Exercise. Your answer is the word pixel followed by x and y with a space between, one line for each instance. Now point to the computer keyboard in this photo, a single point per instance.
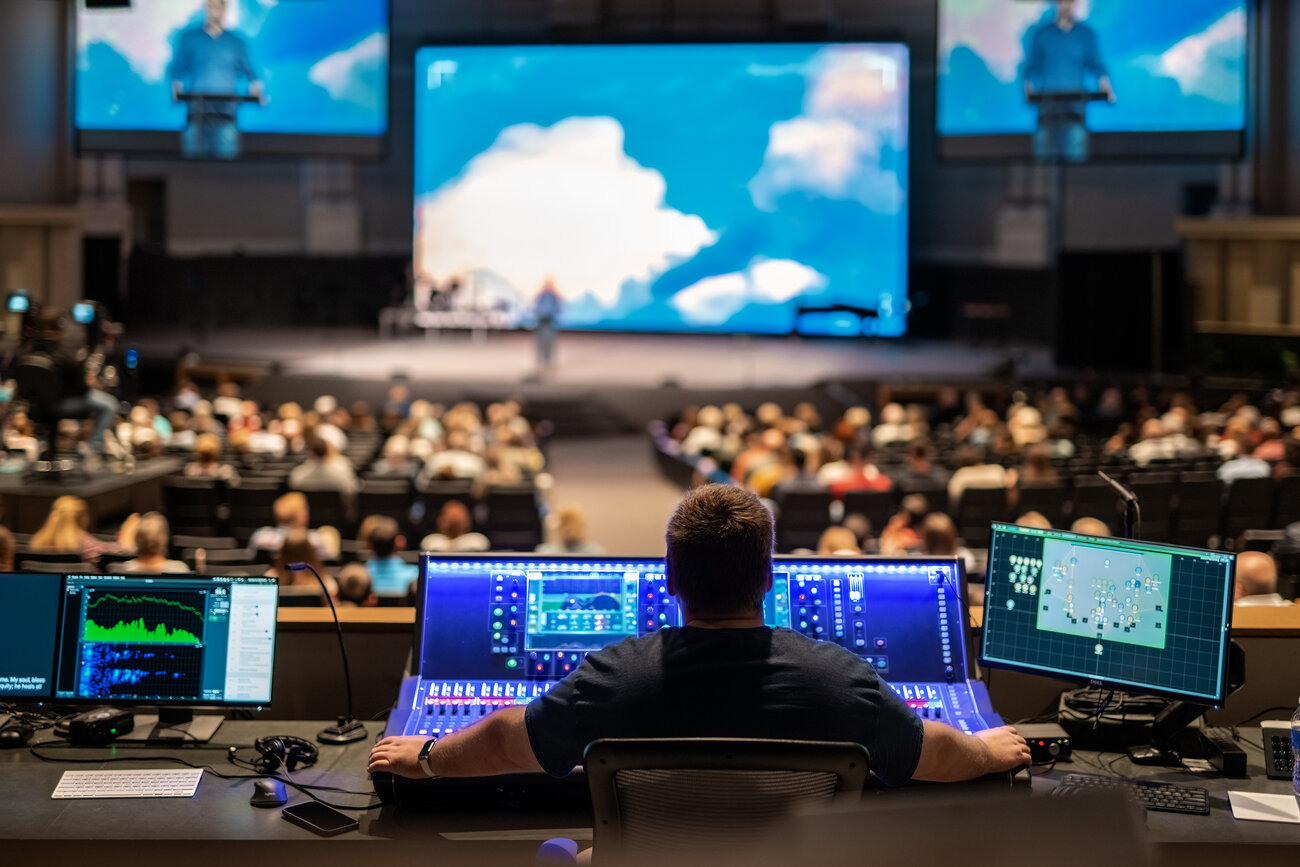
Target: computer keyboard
pixel 169 783
pixel 1152 794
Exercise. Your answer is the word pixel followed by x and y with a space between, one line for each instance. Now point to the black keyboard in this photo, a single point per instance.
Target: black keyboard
pixel 1152 794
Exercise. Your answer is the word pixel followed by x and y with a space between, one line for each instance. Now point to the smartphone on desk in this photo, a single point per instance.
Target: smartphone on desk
pixel 318 818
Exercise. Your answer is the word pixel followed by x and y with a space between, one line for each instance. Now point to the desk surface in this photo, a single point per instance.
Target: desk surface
pixel 221 819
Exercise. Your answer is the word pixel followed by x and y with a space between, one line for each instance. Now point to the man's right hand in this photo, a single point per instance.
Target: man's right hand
pixel 1005 747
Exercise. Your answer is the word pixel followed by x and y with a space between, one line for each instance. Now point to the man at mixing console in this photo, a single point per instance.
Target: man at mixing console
pixel 723 674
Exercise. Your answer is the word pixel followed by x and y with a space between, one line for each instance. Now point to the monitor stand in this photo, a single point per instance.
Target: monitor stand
pixel 173 726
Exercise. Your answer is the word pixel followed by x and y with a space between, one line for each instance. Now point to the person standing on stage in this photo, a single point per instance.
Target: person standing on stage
pixel 210 65
pixel 547 311
pixel 1064 57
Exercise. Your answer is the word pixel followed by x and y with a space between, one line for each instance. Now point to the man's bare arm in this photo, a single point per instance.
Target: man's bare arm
pixel 948 755
pixel 496 745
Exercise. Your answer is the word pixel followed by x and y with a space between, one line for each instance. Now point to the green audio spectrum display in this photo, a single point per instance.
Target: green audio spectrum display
pixel 171 618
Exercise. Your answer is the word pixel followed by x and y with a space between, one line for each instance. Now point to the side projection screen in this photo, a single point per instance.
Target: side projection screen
pixel 1160 78
pixel 220 79
pixel 757 188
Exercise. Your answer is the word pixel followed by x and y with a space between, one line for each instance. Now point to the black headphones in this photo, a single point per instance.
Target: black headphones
pixel 283 752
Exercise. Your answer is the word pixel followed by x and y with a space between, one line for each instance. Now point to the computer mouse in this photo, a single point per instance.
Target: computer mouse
pixel 15 735
pixel 268 793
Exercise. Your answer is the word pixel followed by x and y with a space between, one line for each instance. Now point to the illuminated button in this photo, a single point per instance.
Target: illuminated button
pixel 497 612
pixel 496 625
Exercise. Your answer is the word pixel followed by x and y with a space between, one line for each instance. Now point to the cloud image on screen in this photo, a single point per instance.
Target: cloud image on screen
pixel 723 188
pixel 1175 65
pixel 323 64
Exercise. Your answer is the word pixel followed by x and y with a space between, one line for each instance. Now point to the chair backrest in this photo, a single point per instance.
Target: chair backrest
pixel 652 795
pixel 38 382
pixel 42 566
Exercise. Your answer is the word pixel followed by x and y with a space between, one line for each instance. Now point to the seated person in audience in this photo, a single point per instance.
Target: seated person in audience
pixel 761 448
pixel 893 427
pixel 388 572
pixel 6 549
pixel 919 469
pixel 67 528
pixel 838 541
pixel 568 527
pixel 863 475
pixel 454 531
pixel 291 513
pixel 974 471
pixel 328 427
pixel 1256 581
pixel 939 539
pixel 901 534
pixel 298 548
pixel 456 461
pixel 789 473
pixel 152 536
pixel 1244 465
pixel 207 461
pixel 738 677
pixel 1089 526
pixel 1034 519
pixel 324 470
pixel 356 590
pixel 396 459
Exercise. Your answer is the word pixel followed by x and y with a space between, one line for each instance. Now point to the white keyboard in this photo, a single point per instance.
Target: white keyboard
pixel 129 784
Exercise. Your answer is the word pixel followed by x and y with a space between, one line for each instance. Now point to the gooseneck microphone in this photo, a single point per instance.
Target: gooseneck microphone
pixel 349 728
pixel 1132 511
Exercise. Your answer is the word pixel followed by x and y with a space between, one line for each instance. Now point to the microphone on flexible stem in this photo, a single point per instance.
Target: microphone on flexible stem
pixel 1132 512
pixel 349 728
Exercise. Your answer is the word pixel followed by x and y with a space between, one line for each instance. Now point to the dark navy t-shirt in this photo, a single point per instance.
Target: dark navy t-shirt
pixel 739 683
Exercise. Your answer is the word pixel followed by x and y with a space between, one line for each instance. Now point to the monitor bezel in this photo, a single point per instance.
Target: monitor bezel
pixel 1107 148
pixel 164 145
pixel 262 580
pixel 1114 683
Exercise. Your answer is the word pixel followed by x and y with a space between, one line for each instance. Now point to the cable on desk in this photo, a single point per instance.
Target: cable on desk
pixel 306 788
pixel 1251 719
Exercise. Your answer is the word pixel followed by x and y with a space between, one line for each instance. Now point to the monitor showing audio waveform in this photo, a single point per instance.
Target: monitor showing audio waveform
pixel 166 640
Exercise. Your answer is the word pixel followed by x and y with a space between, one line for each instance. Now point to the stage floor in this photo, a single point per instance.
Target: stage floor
pixel 590 360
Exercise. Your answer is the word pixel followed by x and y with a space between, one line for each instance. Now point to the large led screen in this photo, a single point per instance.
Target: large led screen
pixel 221 78
pixel 1162 76
pixel 664 188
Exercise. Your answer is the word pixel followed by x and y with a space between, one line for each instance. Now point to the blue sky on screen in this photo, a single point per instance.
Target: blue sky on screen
pixel 1176 65
pixel 667 188
pixel 324 64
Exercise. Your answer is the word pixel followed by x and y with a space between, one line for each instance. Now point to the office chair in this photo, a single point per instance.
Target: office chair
pixel 649 796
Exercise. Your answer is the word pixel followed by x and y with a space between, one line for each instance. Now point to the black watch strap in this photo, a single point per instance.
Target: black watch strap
pixel 424 758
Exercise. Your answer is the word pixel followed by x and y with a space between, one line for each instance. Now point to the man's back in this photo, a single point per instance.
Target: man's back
pixel 693 682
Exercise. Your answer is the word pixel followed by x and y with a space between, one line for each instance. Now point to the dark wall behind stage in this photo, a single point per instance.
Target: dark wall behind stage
pixel 283 209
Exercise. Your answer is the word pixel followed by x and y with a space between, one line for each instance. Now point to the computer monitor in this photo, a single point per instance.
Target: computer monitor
pixel 141 641
pixel 1116 613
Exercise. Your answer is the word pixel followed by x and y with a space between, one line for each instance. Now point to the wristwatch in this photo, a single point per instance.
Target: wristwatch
pixel 424 758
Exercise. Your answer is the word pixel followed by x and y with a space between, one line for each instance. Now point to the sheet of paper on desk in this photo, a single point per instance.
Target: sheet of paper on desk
pixel 1257 807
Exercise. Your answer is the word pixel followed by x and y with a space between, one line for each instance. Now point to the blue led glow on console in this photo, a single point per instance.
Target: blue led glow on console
pixel 498 631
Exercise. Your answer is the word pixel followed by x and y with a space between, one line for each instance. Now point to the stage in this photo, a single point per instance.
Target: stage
pixel 635 373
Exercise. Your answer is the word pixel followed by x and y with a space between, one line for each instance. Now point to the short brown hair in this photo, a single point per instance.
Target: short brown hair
pixel 719 542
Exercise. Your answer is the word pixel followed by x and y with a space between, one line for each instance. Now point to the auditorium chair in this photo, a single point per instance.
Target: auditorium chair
pixel 70 567
pixel 47 556
pixel 251 506
pixel 390 497
pixel 219 558
pixel 1286 501
pixel 877 506
pixel 180 541
pixel 195 505
pixel 1155 492
pixel 801 518
pixel 935 493
pixel 654 797
pixel 1199 517
pixel 1248 505
pixel 1046 498
pixel 1092 497
pixel 512 521
pixel 977 508
pixel 330 508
